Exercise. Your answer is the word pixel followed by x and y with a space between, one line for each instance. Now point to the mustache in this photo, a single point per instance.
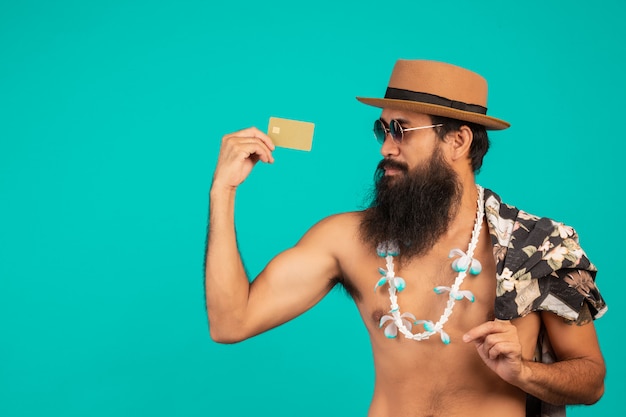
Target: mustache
pixel 391 164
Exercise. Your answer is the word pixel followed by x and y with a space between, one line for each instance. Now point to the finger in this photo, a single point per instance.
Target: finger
pixel 265 139
pixel 256 151
pixel 247 146
pixel 487 328
pixel 253 132
pixel 506 349
pixel 479 332
pixel 496 338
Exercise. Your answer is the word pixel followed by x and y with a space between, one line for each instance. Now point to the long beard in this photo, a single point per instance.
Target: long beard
pixel 413 209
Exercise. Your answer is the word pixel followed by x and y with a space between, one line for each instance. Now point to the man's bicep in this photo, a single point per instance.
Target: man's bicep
pixel 571 340
pixel 294 281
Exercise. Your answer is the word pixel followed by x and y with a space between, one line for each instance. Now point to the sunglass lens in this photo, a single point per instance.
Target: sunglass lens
pixel 379 131
pixel 395 129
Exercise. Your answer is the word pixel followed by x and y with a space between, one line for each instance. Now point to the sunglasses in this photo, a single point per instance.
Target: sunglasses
pixel 395 129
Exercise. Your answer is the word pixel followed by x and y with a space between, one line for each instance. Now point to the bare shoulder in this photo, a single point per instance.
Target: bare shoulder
pixel 333 235
pixel 336 226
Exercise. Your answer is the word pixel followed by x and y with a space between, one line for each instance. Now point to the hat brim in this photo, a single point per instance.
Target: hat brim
pixel 490 123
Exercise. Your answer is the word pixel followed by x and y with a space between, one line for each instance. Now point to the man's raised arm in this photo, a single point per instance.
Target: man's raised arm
pixel 290 284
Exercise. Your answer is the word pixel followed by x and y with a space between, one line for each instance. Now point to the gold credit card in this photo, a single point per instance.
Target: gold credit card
pixel 292 134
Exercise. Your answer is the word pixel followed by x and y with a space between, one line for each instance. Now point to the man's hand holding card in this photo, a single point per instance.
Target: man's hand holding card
pixel 241 150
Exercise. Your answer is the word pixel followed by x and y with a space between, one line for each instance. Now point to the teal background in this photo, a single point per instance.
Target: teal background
pixel 111 114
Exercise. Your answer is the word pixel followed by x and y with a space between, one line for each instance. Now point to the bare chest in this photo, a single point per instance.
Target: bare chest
pixel 423 294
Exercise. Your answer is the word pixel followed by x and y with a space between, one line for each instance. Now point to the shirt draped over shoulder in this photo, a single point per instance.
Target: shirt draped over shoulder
pixel 540 265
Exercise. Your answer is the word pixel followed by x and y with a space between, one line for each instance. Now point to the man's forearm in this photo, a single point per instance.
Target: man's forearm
pixel 226 282
pixel 573 381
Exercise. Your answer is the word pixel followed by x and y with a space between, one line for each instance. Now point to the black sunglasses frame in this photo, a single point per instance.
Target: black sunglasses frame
pixel 395 129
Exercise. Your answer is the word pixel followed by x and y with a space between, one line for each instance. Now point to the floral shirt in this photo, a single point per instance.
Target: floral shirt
pixel 540 266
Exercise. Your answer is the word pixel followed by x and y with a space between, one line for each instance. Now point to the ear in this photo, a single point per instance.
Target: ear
pixel 460 142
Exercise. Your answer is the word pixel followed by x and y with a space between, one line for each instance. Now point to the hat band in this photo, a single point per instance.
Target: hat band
pixel 400 94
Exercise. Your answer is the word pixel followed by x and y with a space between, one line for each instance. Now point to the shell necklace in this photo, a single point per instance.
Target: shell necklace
pixel 403 322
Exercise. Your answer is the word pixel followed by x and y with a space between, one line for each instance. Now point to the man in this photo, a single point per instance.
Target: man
pixel 453 351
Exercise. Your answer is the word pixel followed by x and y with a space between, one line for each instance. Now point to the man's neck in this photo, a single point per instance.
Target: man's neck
pixel 465 217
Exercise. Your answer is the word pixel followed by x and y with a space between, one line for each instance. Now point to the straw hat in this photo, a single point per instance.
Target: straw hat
pixel 438 89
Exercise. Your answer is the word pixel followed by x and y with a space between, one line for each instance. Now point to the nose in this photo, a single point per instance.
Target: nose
pixel 389 146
